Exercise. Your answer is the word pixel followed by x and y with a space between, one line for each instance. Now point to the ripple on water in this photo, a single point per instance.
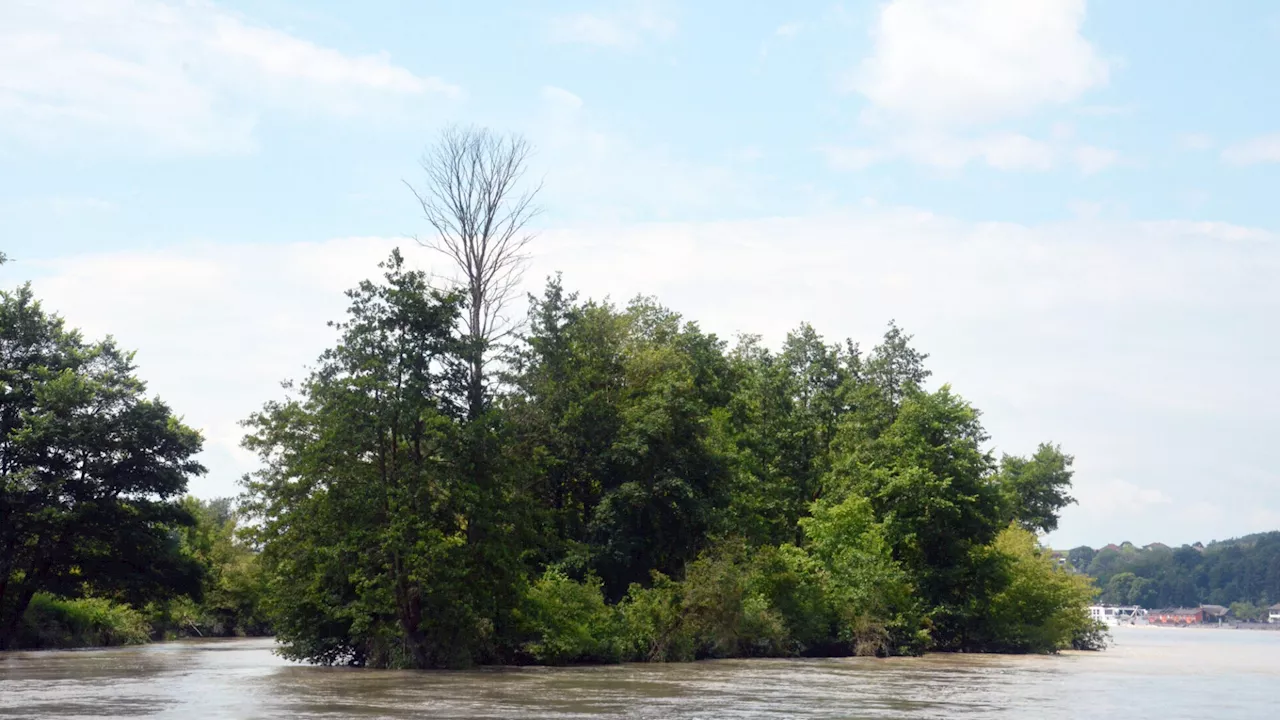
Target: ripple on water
pixel 1153 673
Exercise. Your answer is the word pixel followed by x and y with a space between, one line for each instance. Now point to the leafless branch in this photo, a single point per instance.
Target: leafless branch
pixel 474 201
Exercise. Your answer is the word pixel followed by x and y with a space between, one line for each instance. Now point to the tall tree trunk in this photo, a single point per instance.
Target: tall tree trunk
pixel 9 624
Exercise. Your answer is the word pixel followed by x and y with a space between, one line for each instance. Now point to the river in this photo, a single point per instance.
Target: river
pixel 1155 673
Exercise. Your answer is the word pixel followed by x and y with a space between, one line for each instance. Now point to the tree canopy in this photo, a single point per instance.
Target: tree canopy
pixel 649 493
pixel 90 470
pixel 616 483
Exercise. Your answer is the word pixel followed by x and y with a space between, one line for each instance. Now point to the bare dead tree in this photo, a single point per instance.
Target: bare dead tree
pixel 475 202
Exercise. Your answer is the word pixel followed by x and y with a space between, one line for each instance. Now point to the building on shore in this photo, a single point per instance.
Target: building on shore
pixel 1205 614
pixel 1215 613
pixel 1177 616
pixel 1273 614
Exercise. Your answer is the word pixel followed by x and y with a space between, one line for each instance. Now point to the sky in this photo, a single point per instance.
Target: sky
pixel 1070 205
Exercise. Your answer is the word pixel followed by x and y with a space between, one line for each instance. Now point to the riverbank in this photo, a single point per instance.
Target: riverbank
pixel 1261 627
pixel 53 623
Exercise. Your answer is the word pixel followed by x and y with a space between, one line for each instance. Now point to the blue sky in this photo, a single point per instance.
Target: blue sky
pixel 1068 204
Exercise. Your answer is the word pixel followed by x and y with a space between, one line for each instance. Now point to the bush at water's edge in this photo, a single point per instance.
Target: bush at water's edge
pixel 1093 636
pixel 52 622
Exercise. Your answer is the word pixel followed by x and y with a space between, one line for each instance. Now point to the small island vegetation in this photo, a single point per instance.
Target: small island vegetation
pixel 611 483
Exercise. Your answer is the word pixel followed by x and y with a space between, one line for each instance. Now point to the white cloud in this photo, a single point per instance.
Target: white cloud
pixel 561 101
pixel 217 327
pixel 1119 340
pixel 627 27
pixel 789 30
pixel 1001 151
pixel 785 33
pixel 1195 141
pixel 1086 209
pixel 1263 149
pixel 592 167
pixel 956 62
pixel 174 77
pixel 1104 110
pixel 842 157
pixel 943 73
pixel 1092 159
pixel 58 204
pixel 1120 496
pixel 1016 152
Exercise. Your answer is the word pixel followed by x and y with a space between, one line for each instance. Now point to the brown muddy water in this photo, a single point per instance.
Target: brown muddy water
pixel 1152 673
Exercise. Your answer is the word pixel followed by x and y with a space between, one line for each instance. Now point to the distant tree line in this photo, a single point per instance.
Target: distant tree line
pixel 1244 573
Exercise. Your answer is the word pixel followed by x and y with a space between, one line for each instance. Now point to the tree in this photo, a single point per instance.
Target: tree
pixel 869 592
pixel 1248 611
pixel 232 587
pixel 629 490
pixel 565 411
pixel 1080 557
pixel 895 367
pixel 1040 607
pixel 1119 589
pixel 90 469
pixel 474 201
pixel 367 495
pixel 768 445
pixel 930 483
pixel 778 428
pixel 1036 489
pixel 610 410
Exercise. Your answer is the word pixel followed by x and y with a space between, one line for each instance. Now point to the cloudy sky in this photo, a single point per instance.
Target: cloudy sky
pixel 1070 205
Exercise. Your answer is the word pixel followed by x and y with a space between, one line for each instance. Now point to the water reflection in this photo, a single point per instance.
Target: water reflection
pixel 1150 673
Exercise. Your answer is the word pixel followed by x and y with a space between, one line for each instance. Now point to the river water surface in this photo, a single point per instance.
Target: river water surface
pixel 1155 673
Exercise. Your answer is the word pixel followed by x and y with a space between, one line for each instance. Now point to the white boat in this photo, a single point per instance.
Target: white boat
pixel 1113 615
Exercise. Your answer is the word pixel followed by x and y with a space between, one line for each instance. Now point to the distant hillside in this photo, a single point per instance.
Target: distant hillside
pixel 1243 571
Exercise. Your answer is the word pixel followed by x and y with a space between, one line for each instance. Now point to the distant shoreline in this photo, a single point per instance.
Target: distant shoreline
pixel 1265 627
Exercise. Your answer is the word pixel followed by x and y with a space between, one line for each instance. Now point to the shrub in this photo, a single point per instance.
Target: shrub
pixel 722 608
pixel 653 622
pixel 569 621
pixel 869 593
pixel 1041 607
pixel 722 613
pixel 793 584
pixel 1092 635
pixel 52 622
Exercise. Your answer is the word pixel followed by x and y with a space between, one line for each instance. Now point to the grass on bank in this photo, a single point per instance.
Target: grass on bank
pixel 52 622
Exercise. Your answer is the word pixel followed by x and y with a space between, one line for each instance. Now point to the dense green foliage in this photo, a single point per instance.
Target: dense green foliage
pixel 52 622
pixel 1036 607
pixel 383 542
pixel 628 487
pixel 230 601
pixel 1245 571
pixel 90 471
pixel 631 488
pixel 97 546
